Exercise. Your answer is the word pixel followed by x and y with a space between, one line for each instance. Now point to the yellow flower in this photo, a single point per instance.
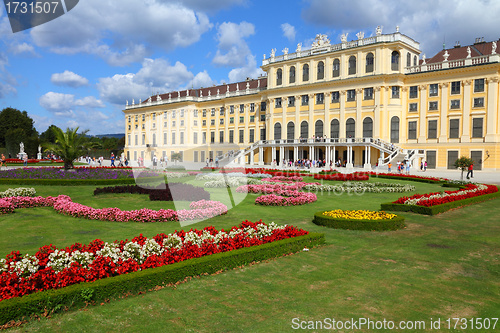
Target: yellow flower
pixel 359 215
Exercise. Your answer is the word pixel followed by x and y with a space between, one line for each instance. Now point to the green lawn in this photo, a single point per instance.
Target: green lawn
pixel 438 267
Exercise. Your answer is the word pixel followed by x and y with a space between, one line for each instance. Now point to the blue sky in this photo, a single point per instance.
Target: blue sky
pixel 79 69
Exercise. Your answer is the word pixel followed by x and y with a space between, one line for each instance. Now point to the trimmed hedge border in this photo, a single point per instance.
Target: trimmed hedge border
pixel 430 181
pixel 71 182
pixel 373 225
pixel 437 209
pixel 21 308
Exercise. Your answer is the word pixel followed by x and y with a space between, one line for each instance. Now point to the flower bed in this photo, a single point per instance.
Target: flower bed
pixel 279 195
pixel 360 187
pixel 64 205
pixel 439 202
pixel 30 161
pixel 181 192
pixel 53 268
pixel 356 176
pixel 18 192
pixel 77 173
pixel 359 220
pixel 285 179
pixel 402 176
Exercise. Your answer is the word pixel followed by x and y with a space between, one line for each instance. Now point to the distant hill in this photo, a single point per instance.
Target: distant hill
pixel 118 136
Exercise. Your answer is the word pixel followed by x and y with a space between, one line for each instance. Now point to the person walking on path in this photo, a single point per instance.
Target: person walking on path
pixel 112 159
pixel 470 173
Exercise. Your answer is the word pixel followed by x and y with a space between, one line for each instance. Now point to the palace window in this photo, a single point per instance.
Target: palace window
pixel 413 92
pixel 477 127
pixel 277 131
pixel 173 138
pixel 221 112
pixel 221 136
pixel 221 121
pixel 368 93
pixel 395 129
pixel 195 122
pixel 143 117
pixel 478 85
pixel 263 106
pixel 182 113
pixel 242 108
pixel 212 137
pixel 195 138
pixel 334 128
pixel 173 123
pixel 181 138
pixel 242 136
pixel 336 68
pixel 252 107
pixel 305 100
pixel 242 120
pixel 395 91
pixel 413 107
pixel 320 98
pixel 350 128
pixel 352 65
pixel 454 128
pixel 433 90
pixel 277 102
pixel 204 113
pixel 129 119
pixel 408 59
pixel 204 123
pixel 212 122
pixel 433 105
pixel 173 114
pixel 395 61
pixel 367 127
pixel 335 97
pixel 305 73
pixel 455 87
pixel 251 136
pixel 291 101
pixel 262 117
pixel 212 112
pixel 412 130
pixel 231 109
pixel 479 102
pixel 369 63
pixel 321 70
pixel 455 104
pixel 292 74
pixel 182 123
pixel 231 120
pixel 252 119
pixel 231 136
pixel 432 129
pixel 351 95
pixel 279 77
pixel 136 117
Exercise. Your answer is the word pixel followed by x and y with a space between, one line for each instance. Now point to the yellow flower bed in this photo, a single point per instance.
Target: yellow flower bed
pixel 359 214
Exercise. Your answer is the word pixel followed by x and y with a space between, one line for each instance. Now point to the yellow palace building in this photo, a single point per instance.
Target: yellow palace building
pixel 364 102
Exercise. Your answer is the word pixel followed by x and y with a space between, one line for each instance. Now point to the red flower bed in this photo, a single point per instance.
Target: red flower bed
pixel 438 198
pixel 30 161
pixel 52 268
pixel 357 176
pixel 402 175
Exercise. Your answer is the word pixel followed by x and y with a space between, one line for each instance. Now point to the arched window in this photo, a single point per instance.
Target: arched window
pixel 415 62
pixel 395 61
pixel 350 128
pixel 305 73
pixel 408 59
pixel 304 130
pixel 277 131
pixel 292 74
pixel 321 70
pixel 336 68
pixel 318 128
pixel 369 62
pixel 290 131
pixel 352 65
pixel 334 128
pixel 395 129
pixel 279 77
pixel 367 127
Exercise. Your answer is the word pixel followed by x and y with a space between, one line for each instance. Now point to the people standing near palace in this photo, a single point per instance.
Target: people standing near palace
pixel 408 165
pixel 112 159
pixel 470 173
pixel 389 166
pixel 425 166
pixel 25 159
pixel 155 161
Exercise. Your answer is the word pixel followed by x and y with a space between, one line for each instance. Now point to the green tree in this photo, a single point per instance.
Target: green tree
pixel 69 145
pixel 463 163
pixel 11 119
pixel 176 157
pixel 49 135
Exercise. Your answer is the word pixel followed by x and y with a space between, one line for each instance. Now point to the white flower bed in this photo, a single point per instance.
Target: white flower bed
pixel 361 187
pixel 18 192
pixel 480 187
pixel 214 176
pixel 174 175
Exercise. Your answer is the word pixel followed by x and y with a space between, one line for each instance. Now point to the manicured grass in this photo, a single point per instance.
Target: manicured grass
pixel 438 267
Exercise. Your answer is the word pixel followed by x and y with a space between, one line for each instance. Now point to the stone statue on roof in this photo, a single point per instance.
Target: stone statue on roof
pixel 285 50
pixel 468 52
pixel 494 48
pixel 343 37
pixel 273 53
pixel 158 98
pixel 360 35
pixel 299 47
pixel 378 31
pixel 446 55
pixel 320 40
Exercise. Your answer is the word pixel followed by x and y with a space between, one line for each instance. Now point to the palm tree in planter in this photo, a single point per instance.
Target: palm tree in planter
pixel 69 145
pixel 463 164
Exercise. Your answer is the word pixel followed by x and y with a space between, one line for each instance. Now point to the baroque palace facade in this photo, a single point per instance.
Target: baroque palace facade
pixel 368 101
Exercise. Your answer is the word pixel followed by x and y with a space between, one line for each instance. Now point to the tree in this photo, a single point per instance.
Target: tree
pixel 69 145
pixel 463 163
pixel 176 157
pixel 49 135
pixel 11 119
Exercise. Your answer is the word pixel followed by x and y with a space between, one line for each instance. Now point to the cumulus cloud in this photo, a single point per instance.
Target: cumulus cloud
pixel 23 48
pixel 7 81
pixel 155 75
pixel 427 21
pixel 202 79
pixel 136 27
pixel 64 103
pixel 232 48
pixel 68 78
pixel 249 70
pixel 288 31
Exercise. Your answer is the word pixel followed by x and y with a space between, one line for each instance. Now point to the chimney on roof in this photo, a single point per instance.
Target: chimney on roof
pixel 457 44
pixel 479 40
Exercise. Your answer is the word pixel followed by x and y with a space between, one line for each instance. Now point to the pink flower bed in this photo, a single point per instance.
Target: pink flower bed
pixel 284 179
pixel 280 195
pixel 64 205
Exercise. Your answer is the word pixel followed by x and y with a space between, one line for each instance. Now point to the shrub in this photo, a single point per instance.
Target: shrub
pixel 394 223
pixel 182 192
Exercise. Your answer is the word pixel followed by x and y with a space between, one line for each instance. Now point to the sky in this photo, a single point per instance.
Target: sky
pixel 82 67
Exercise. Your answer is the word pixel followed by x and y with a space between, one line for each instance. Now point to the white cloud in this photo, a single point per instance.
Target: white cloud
pixel 62 104
pixel 68 78
pixel 202 79
pixel 7 81
pixel 23 48
pixel 156 75
pixel 428 21
pixel 212 5
pixel 250 70
pixel 136 26
pixel 232 48
pixel 288 31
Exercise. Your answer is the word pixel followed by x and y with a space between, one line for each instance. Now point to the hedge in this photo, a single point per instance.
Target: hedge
pixel 73 182
pixel 437 209
pixel 21 308
pixel 376 225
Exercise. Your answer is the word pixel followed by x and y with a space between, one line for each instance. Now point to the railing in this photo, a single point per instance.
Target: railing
pixel 483 59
